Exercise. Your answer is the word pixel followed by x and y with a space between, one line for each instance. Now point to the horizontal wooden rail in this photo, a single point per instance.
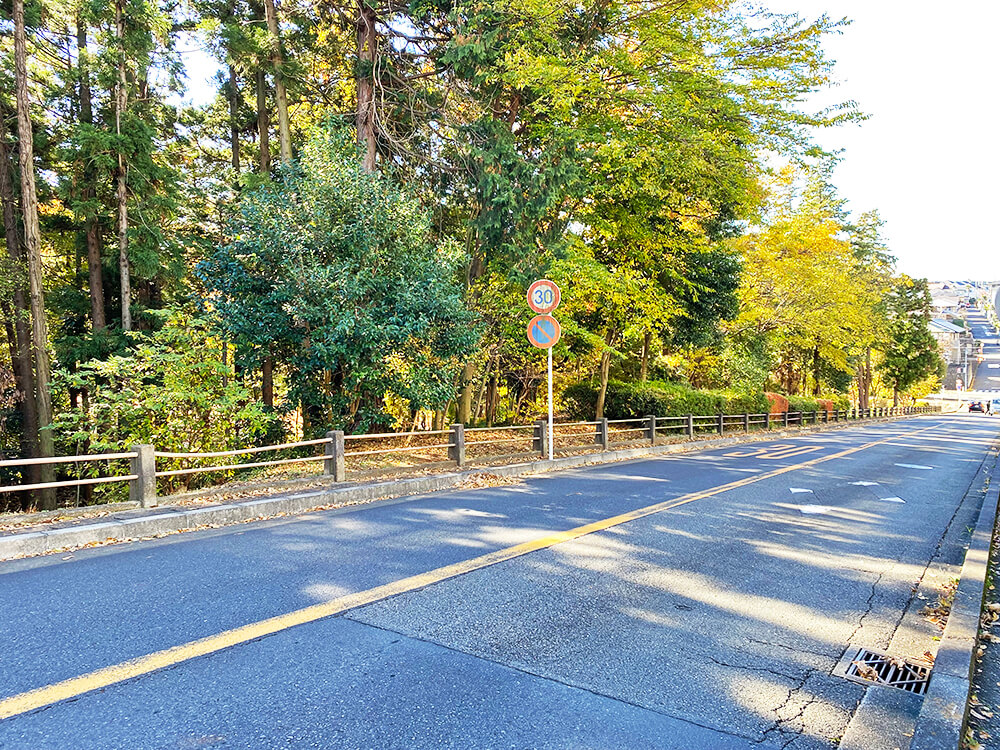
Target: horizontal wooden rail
pixel 65 459
pixel 398 450
pixel 395 434
pixel 68 483
pixel 259 449
pixel 236 467
pixel 500 429
pixel 520 439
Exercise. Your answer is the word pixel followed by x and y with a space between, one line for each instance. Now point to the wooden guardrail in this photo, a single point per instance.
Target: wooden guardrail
pixel 602 434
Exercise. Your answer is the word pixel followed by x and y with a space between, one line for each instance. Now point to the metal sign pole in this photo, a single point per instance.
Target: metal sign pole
pixel 549 350
pixel 544 331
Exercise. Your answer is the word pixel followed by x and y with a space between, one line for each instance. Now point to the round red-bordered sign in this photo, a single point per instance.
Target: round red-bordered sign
pixel 544 331
pixel 543 296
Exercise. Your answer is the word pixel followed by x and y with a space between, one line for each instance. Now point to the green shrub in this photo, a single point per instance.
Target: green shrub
pixel 631 400
pixel 803 403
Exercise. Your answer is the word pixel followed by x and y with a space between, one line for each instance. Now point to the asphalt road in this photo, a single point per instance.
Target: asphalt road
pixel 713 623
pixel 987 376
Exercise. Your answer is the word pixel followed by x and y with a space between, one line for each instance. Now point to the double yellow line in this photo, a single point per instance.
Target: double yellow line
pixel 76 686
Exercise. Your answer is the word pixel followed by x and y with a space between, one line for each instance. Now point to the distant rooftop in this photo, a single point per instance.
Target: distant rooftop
pixel 944 326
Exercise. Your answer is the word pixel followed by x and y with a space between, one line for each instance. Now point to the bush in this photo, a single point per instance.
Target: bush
pixel 808 404
pixel 779 403
pixel 631 400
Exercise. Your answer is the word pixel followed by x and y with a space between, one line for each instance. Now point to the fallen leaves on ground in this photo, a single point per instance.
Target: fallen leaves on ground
pixel 485 479
pixel 938 613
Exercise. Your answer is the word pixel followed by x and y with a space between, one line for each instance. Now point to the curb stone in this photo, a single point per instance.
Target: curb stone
pixel 17 545
pixel 942 716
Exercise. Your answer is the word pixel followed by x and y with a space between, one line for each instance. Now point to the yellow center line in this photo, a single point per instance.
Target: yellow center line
pixel 101 678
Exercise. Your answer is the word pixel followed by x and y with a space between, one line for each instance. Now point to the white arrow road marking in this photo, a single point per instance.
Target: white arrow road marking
pixel 814 509
pixel 915 466
pixel 892 500
pixel 796 490
pixel 865 484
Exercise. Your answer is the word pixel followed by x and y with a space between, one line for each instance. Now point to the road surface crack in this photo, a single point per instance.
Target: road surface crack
pixel 787 734
pixel 747 667
pixel 791 648
pixel 869 606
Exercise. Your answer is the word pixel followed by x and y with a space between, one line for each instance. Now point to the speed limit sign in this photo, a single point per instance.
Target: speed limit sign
pixel 543 296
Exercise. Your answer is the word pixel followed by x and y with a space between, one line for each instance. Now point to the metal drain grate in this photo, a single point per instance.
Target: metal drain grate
pixel 881 669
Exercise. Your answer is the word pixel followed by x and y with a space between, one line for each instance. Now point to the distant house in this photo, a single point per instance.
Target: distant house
pixel 951 338
pixel 945 303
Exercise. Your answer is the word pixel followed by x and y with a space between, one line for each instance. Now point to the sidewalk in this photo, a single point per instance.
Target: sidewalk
pixel 983 728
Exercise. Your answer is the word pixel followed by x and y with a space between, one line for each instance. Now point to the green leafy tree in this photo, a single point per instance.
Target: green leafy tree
pixel 330 269
pixel 912 354
pixel 169 390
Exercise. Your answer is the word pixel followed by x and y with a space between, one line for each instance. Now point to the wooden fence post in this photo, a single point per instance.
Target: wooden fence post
pixel 143 489
pixel 333 465
pixel 541 437
pixel 603 434
pixel 456 451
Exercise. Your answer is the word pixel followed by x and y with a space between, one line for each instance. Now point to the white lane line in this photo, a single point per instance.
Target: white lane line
pixel 814 510
pixel 796 490
pixel 865 484
pixel 915 466
pixel 892 500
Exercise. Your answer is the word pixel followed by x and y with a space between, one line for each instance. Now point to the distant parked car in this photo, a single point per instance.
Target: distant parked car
pixel 976 406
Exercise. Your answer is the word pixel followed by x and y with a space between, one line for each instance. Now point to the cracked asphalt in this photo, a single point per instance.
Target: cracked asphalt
pixel 714 624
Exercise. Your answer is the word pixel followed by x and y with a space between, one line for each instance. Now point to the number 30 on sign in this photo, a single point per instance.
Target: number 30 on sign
pixel 543 296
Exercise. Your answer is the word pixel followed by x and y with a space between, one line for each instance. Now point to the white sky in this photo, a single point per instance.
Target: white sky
pixel 928 159
pixel 929 156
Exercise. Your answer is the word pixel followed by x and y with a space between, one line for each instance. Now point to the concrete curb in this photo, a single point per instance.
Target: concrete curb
pixel 164 521
pixel 943 713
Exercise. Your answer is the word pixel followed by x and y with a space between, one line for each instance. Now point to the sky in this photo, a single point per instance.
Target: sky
pixel 928 157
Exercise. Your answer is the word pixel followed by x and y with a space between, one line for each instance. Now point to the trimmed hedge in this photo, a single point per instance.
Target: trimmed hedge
pixel 778 402
pixel 631 400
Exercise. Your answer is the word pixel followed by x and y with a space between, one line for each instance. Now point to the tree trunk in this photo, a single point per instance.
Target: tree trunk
pixel 278 61
pixel 121 194
pixel 605 369
pixel 644 368
pixel 465 398
pixel 19 333
pixel 366 90
pixel 92 230
pixel 816 368
pixel 492 393
pixel 267 381
pixel 263 125
pixel 234 128
pixel 864 394
pixel 33 245
pixel 482 389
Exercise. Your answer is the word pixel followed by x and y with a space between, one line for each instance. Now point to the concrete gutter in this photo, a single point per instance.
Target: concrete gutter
pixel 943 714
pixel 166 520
